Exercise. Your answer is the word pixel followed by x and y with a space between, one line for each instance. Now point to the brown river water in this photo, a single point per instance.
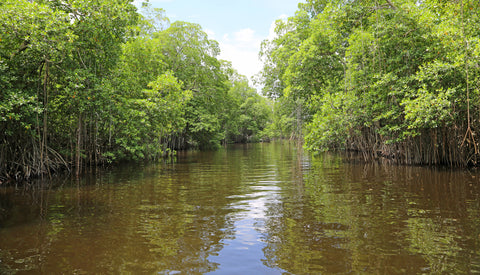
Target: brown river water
pixel 246 209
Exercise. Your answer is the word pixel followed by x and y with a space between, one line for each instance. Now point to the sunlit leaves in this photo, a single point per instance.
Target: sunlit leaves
pixel 428 110
pixel 95 81
pixel 334 123
pixel 411 66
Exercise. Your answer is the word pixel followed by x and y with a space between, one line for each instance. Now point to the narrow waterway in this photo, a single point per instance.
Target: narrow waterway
pixel 246 209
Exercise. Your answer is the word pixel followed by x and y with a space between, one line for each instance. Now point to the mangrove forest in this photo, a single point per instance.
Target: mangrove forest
pixel 92 82
pixel 396 79
pixel 86 83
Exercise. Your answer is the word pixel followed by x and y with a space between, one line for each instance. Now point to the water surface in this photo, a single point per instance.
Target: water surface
pixel 246 209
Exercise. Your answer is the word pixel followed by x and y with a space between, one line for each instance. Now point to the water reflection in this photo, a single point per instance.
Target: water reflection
pixel 263 208
pixel 377 219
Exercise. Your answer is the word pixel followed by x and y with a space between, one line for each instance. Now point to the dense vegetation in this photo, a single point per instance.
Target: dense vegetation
pixel 89 82
pixel 389 78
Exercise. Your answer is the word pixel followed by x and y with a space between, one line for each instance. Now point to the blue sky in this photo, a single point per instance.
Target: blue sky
pixel 239 26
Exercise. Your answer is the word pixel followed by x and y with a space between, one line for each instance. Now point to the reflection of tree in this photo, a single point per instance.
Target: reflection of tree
pixel 445 225
pixel 182 230
pixel 374 219
pixel 438 247
pixel 327 217
pixel 131 220
pixel 298 235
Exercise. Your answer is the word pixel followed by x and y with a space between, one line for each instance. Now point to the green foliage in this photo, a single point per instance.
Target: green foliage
pixel 248 114
pixel 87 82
pixel 333 124
pixel 150 118
pixel 381 77
pixel 428 110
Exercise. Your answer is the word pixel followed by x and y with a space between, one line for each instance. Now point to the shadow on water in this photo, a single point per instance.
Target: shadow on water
pixel 257 208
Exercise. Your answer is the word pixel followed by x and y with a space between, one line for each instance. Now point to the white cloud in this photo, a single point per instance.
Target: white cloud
pixel 138 3
pixel 271 31
pixel 245 35
pixel 242 48
pixel 244 60
pixel 210 33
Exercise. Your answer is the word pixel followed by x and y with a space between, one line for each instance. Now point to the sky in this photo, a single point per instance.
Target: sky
pixel 238 25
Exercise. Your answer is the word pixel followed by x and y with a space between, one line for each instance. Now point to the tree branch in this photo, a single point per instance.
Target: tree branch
pixel 23 47
pixel 391 4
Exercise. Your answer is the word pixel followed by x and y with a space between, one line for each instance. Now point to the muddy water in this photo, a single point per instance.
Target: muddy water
pixel 258 209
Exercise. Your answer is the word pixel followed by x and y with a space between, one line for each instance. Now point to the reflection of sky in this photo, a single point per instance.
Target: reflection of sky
pixel 243 253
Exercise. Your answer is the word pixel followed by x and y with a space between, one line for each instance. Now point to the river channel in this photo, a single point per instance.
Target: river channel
pixel 246 209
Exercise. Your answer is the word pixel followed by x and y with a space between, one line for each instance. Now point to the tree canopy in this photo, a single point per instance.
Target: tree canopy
pixel 392 78
pixel 91 82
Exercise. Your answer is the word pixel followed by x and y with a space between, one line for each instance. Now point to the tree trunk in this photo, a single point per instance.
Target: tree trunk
pixel 79 143
pixel 43 145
